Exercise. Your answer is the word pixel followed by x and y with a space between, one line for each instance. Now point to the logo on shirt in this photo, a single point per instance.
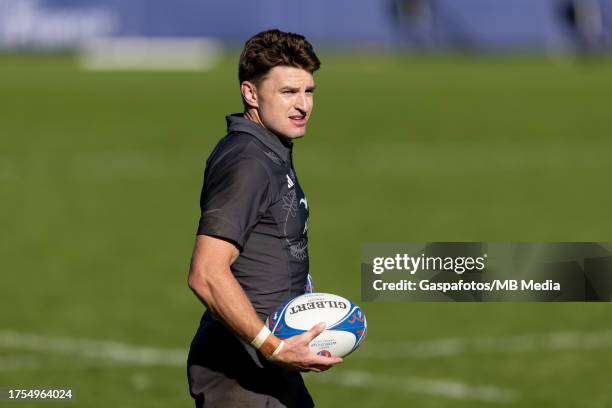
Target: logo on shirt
pixel 298 247
pixel 290 182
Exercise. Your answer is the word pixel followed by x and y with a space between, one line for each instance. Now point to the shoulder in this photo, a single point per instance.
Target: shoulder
pixel 239 150
pixel 237 157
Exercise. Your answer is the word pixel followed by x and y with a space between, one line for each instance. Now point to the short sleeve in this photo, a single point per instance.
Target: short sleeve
pixel 234 197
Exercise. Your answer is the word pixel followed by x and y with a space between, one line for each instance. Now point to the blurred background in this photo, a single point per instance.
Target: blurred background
pixel 434 120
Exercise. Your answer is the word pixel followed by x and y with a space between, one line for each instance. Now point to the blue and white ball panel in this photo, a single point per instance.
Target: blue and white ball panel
pixel 346 324
pixel 354 323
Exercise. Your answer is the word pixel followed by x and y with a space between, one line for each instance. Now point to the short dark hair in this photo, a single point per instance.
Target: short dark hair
pixel 273 48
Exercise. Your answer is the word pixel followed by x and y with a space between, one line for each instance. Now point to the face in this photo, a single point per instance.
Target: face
pixel 284 101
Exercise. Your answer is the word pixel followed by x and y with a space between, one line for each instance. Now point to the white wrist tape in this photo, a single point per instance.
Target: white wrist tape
pixel 261 337
pixel 279 348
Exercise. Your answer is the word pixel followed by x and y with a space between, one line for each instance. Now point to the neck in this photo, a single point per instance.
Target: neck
pixel 253 114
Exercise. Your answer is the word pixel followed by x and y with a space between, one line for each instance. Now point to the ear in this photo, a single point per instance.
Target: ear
pixel 249 94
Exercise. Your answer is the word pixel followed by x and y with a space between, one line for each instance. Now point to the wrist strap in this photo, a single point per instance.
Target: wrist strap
pixel 261 337
pixel 279 348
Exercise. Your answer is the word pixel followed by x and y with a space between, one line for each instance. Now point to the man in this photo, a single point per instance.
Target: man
pixel 251 252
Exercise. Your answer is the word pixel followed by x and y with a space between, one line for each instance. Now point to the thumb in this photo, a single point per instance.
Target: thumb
pixel 314 331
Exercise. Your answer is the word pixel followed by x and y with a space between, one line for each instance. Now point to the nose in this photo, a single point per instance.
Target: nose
pixel 302 103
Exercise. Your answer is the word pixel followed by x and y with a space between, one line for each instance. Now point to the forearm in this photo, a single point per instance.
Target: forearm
pixel 222 294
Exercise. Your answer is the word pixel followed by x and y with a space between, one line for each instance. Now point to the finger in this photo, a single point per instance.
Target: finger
pixel 322 368
pixel 326 361
pixel 311 369
pixel 314 331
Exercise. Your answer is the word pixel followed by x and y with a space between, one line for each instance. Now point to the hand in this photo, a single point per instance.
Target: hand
pixel 296 355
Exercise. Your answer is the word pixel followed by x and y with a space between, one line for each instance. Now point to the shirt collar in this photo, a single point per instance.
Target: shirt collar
pixel 238 123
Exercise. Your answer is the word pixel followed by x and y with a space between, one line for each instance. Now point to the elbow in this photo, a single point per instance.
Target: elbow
pixel 198 283
pixel 192 280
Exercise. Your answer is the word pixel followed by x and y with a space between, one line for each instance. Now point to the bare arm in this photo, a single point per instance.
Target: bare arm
pixel 211 279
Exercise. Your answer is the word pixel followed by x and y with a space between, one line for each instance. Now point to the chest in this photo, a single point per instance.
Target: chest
pixel 290 208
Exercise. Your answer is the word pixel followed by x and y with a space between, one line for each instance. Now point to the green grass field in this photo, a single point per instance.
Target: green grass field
pixel 100 176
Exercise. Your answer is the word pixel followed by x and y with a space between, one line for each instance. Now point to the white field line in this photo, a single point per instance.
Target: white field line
pixel 104 350
pixel 121 352
pixel 109 351
pixel 446 388
pixel 494 345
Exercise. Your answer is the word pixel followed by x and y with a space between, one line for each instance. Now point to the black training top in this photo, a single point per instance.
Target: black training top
pixel 251 197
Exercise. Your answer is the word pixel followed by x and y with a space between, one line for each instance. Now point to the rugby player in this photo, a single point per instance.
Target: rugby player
pixel 251 251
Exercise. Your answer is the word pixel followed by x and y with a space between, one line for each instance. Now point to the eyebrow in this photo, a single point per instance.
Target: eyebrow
pixel 293 88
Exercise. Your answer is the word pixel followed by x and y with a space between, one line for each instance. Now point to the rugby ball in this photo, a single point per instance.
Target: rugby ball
pixel 346 324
